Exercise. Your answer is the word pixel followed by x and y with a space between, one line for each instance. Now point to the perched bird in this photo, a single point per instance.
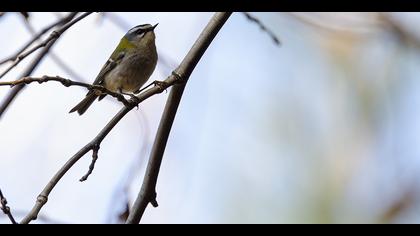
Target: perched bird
pixel 128 68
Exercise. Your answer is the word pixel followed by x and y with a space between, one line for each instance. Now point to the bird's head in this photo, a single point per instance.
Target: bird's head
pixel 141 35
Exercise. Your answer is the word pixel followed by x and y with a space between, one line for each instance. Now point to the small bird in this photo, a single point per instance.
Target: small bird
pixel 129 67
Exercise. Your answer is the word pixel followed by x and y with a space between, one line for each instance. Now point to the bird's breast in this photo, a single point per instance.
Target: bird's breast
pixel 131 73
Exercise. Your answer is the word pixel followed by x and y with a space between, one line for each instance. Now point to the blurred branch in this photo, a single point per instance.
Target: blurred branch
pixel 25 15
pixel 66 83
pixel 17 55
pixel 405 201
pixel 56 59
pixel 121 197
pixel 53 36
pixel 147 193
pixel 6 209
pixel 49 43
pixel 397 28
pixel 263 27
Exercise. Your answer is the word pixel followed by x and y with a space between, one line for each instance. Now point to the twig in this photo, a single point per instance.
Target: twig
pixel 147 193
pixel 56 59
pixel 67 83
pixel 95 150
pixel 6 209
pixel 20 55
pixel 50 42
pixel 46 219
pixel 263 27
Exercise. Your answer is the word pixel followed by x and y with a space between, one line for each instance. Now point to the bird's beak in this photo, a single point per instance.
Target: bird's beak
pixel 155 26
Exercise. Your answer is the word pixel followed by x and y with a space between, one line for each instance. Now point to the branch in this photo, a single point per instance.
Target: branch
pixel 46 219
pixel 404 35
pixel 95 151
pixel 263 27
pixel 6 209
pixel 49 43
pixel 66 83
pixel 147 193
pixel 20 55
pixel 58 61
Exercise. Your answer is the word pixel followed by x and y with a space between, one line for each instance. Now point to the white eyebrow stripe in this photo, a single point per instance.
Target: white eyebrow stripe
pixel 138 27
pixel 134 29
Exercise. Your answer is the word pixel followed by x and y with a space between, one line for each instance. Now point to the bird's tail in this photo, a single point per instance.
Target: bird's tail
pixel 84 104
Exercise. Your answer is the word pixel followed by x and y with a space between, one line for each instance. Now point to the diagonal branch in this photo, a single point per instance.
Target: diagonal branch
pixel 5 208
pixel 20 55
pixel 147 193
pixel 263 27
pixel 394 26
pixel 56 59
pixel 49 43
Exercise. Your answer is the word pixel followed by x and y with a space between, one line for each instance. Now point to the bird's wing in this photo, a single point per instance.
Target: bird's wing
pixel 112 62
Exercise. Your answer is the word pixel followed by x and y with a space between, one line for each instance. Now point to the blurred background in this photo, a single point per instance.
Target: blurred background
pixel 323 128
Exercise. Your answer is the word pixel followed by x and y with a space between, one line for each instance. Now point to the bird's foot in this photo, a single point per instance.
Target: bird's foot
pixel 162 85
pixel 134 99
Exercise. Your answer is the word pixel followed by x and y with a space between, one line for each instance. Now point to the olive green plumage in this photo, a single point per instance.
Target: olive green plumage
pixel 129 66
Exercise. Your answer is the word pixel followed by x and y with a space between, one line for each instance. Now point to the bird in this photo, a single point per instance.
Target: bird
pixel 128 68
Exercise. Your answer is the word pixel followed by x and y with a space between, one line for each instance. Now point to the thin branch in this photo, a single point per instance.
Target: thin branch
pixel 50 42
pixel 147 193
pixel 29 43
pixel 46 219
pixel 20 55
pixel 6 209
pixel 67 83
pixel 263 27
pixel 56 59
pixel 95 151
pixel 404 35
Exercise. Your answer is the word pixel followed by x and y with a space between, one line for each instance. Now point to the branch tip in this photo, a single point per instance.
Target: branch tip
pixel 95 150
